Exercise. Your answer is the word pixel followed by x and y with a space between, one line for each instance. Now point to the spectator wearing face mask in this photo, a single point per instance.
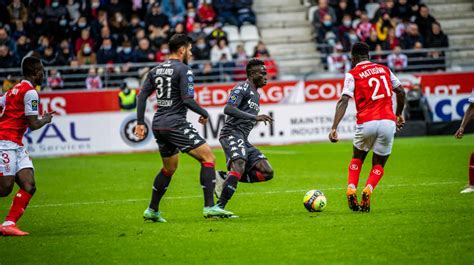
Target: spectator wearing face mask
pixel 326 30
pixel 126 55
pixel 86 55
pixel 343 9
pixel 77 28
pixel 107 53
pixel 345 26
pixel 196 32
pixel 201 51
pixel 191 17
pixel 323 10
pixel 175 11
pixel 163 53
pixel 85 38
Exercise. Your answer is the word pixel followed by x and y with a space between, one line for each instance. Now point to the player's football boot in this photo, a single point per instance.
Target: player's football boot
pixel 365 202
pixel 216 211
pixel 220 179
pixel 468 189
pixel 352 199
pixel 150 215
pixel 12 230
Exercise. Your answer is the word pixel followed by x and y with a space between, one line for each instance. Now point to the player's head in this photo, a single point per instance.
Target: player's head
pixel 32 69
pixel 256 72
pixel 359 53
pixel 180 45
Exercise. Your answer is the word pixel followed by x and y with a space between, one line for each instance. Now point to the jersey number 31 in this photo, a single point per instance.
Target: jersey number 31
pixel 375 84
pixel 160 87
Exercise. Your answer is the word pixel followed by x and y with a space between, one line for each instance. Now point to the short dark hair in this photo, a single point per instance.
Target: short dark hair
pixel 30 65
pixel 252 63
pixel 360 49
pixel 178 41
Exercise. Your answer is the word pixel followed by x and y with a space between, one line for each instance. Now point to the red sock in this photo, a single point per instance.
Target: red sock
pixel 21 200
pixel 471 170
pixel 375 175
pixel 354 172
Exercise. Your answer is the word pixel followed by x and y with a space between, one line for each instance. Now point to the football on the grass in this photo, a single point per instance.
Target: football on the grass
pixel 314 201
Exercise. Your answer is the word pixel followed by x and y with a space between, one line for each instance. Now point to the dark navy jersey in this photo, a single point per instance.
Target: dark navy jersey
pixel 246 98
pixel 173 82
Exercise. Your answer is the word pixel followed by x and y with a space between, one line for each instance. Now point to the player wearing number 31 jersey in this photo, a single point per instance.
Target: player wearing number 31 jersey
pixel 372 86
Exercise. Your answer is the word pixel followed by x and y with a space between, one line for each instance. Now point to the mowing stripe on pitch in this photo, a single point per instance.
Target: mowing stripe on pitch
pixel 239 194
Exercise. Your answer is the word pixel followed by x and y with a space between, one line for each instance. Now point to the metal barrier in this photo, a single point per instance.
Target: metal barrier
pixel 206 72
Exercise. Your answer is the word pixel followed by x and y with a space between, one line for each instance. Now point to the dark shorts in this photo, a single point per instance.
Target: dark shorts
pixel 236 146
pixel 183 138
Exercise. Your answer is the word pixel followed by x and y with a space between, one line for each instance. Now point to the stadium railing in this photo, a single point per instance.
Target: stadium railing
pixel 114 75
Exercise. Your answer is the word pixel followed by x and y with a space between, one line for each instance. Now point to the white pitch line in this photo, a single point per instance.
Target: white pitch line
pixel 239 194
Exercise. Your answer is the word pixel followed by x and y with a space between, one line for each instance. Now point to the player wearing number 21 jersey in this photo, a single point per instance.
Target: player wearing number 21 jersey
pixel 372 86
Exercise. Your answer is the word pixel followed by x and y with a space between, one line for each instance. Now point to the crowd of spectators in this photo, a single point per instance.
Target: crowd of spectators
pixel 110 32
pixel 393 27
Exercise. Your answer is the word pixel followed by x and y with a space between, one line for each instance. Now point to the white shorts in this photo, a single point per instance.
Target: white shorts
pixel 13 158
pixel 377 135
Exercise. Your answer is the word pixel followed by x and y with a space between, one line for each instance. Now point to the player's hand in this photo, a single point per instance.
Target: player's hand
pixel 459 133
pixel 265 118
pixel 333 137
pixel 203 120
pixel 48 116
pixel 400 122
pixel 140 131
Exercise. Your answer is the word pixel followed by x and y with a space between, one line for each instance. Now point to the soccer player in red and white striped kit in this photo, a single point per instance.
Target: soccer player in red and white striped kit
pixel 18 112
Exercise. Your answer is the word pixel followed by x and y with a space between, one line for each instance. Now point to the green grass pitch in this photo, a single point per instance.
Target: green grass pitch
pixel 89 210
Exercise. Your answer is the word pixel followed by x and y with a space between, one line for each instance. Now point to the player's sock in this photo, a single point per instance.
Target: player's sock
pixel 21 200
pixel 354 172
pixel 471 170
pixel 254 176
pixel 374 177
pixel 230 185
pixel 160 185
pixel 208 182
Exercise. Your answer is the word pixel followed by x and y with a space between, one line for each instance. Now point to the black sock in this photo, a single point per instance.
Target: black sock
pixel 208 182
pixel 160 185
pixel 230 185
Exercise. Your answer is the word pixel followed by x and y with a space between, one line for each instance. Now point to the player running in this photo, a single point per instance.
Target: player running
pixel 18 112
pixel 468 115
pixel 371 85
pixel 173 81
pixel 245 162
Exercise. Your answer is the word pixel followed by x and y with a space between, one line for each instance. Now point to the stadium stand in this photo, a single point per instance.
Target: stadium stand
pixel 108 41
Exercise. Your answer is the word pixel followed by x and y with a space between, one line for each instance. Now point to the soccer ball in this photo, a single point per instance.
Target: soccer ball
pixel 314 201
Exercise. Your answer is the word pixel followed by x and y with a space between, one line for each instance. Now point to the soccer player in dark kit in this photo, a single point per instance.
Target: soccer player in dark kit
pixel 245 162
pixel 173 81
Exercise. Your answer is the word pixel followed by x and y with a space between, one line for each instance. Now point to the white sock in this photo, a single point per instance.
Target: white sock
pixel 351 186
pixel 7 223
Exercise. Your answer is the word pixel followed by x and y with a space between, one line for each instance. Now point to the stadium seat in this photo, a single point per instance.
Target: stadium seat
pixel 249 33
pixel 208 30
pixel 311 13
pixel 371 8
pixel 232 33
pixel 249 47
pixel 233 46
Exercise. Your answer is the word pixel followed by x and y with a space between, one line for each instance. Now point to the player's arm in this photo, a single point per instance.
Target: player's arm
pixel 142 97
pixel 31 100
pixel 186 85
pixel 400 92
pixel 468 115
pixel 341 106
